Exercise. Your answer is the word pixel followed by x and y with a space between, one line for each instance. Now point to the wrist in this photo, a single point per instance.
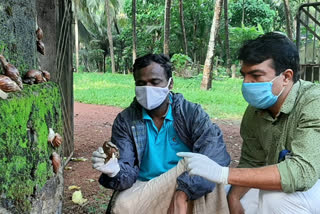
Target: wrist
pixel 180 196
pixel 224 175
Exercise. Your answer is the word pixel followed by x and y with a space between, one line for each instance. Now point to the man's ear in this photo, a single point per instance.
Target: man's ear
pixel 171 84
pixel 288 76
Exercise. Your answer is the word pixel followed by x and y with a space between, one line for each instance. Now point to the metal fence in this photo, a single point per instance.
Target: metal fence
pixel 308 41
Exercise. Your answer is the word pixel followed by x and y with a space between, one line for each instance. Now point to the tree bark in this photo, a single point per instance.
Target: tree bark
pixel 288 19
pixel 183 29
pixel 166 48
pixel 226 29
pixel 243 9
pixel 207 70
pixel 110 36
pixel 134 32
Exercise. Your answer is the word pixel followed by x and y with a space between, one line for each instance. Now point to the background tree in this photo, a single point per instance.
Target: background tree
pixel 183 30
pixel 166 48
pixel 288 19
pixel 196 16
pixel 226 29
pixel 134 32
pixel 92 21
pixel 207 70
pixel 256 12
pixel 109 32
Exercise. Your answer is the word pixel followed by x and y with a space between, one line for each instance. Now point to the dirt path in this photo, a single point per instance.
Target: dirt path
pixel 92 126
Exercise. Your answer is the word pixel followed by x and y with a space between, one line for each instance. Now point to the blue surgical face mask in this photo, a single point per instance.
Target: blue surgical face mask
pixel 259 94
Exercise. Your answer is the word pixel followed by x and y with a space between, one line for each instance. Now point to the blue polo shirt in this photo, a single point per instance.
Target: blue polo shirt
pixel 160 152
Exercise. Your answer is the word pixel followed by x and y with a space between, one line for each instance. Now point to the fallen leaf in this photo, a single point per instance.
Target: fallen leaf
pixel 77 198
pixel 91 180
pixel 73 187
pixel 68 168
pixel 80 159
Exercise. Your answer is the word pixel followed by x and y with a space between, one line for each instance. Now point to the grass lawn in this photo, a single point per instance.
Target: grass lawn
pixel 223 101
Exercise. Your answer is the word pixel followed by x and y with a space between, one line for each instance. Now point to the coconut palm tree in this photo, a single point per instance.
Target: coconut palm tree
pixel 288 19
pixel 134 33
pixel 167 27
pixel 92 15
pixel 183 29
pixel 207 70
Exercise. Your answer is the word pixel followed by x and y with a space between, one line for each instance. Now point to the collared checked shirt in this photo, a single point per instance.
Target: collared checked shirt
pixel 295 129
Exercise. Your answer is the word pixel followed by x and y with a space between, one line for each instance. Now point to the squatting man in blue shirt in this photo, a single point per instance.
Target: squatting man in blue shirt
pixel 280 156
pixel 148 176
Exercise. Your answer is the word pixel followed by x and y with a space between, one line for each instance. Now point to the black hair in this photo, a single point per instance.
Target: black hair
pixel 275 46
pixel 161 59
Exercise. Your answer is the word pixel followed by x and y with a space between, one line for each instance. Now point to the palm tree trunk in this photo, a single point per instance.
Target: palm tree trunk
pixel 226 29
pixel 183 29
pixel 207 70
pixel 288 19
pixel 166 49
pixel 110 36
pixel 243 9
pixel 134 32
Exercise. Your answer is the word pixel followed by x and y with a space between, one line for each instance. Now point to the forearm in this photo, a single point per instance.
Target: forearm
pixel 237 192
pixel 267 178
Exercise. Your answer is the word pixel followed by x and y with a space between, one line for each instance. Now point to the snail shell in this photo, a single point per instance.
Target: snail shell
pixel 33 76
pixel 40 47
pixel 46 75
pixel 56 162
pixel 57 141
pixel 109 148
pixel 8 85
pixel 39 33
pixel 11 71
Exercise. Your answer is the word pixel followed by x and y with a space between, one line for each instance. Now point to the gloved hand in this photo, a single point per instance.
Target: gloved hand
pixel 203 166
pixel 111 168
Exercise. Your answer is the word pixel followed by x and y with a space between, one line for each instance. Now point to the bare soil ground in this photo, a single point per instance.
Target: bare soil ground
pixel 92 126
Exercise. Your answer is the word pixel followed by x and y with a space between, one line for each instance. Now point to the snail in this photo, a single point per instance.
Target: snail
pixel 109 148
pixel 34 76
pixel 11 71
pixel 40 47
pixel 57 140
pixel 54 139
pixel 8 85
pixel 3 94
pixel 46 75
pixel 39 33
pixel 56 162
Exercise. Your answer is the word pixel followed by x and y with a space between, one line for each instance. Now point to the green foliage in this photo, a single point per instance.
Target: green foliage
pixel 238 35
pixel 180 60
pixel 24 152
pixel 197 19
pixel 183 66
pixel 224 100
pixel 255 12
pixel 93 35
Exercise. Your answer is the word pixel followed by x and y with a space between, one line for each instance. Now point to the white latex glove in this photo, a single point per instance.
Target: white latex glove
pixel 203 166
pixel 111 168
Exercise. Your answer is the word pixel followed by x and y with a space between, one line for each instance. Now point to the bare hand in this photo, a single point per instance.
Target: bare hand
pixel 179 203
pixel 235 206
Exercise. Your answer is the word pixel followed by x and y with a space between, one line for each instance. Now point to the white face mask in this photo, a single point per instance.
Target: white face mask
pixel 151 97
